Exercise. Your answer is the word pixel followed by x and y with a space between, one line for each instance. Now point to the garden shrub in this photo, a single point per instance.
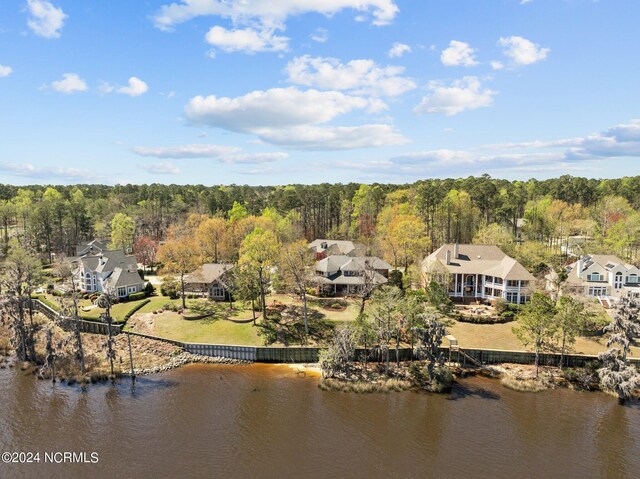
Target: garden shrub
pixel 149 289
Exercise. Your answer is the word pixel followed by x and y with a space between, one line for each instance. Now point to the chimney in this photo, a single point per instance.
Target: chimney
pixel 448 256
pixel 456 250
pixel 579 266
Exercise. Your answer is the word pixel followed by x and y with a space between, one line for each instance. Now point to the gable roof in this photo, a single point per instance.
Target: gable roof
pixel 208 273
pixel 477 259
pixel 350 263
pixel 108 261
pixel 122 277
pixel 336 247
pixel 607 262
pixel 92 247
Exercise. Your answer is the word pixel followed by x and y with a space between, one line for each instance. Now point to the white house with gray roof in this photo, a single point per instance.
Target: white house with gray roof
pixel 108 271
pixel 344 275
pixel 478 273
pixel 602 276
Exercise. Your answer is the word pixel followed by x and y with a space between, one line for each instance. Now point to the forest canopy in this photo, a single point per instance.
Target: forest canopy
pixel 399 222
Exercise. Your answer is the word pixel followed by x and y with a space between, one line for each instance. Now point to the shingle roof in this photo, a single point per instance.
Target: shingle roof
pixel 605 261
pixel 92 247
pixel 121 277
pixel 339 278
pixel 348 263
pixel 208 273
pixel 477 259
pixel 108 261
pixel 336 247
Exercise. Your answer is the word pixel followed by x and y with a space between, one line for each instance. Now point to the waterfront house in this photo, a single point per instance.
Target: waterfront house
pixel 603 276
pixel 323 248
pixel 343 275
pixel 108 270
pixel 210 280
pixel 472 273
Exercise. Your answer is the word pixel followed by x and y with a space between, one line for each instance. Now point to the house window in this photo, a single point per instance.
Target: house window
pixel 597 291
pixel 632 278
pixel 122 292
pixel 617 281
pixel 488 291
pixel 524 284
pixel 488 279
pixel 512 297
pixel 595 277
pixel 524 299
pixel 217 292
pixel 512 282
pixel 131 289
pixel 497 280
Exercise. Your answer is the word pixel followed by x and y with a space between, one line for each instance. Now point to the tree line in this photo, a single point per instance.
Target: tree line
pixel 532 220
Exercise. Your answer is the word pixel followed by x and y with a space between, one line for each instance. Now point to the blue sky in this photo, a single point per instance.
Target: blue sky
pixel 308 91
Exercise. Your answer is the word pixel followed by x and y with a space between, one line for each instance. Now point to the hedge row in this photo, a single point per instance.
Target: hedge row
pixel 137 296
pixel 43 299
pixel 484 319
pixel 126 316
pixel 135 309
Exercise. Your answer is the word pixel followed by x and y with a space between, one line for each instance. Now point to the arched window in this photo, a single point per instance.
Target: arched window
pixel 617 282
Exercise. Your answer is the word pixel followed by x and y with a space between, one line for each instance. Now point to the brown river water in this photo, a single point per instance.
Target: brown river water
pixel 265 421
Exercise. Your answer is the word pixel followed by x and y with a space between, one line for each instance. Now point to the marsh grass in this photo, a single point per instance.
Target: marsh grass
pixel 378 386
pixel 525 385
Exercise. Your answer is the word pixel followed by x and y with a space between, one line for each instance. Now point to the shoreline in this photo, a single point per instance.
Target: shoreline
pixel 156 357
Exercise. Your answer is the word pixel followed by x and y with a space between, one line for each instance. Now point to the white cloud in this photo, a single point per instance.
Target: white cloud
pixel 460 95
pixel 458 54
pixel 247 40
pixel 5 71
pixel 398 49
pixel 45 20
pixel 576 155
pixel 334 138
pixel 618 141
pixel 496 65
pixel 274 108
pixel 28 170
pixel 522 51
pixel 224 154
pixel 161 168
pixel 362 77
pixel 135 87
pixel 105 88
pixel 187 151
pixel 268 12
pixel 70 83
pixel 321 35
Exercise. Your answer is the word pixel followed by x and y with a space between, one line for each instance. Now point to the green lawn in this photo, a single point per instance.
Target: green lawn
pixel 172 326
pixel 349 314
pixel 501 336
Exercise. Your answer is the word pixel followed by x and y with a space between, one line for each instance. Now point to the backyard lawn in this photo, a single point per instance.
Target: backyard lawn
pixel 501 336
pixel 349 314
pixel 171 325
